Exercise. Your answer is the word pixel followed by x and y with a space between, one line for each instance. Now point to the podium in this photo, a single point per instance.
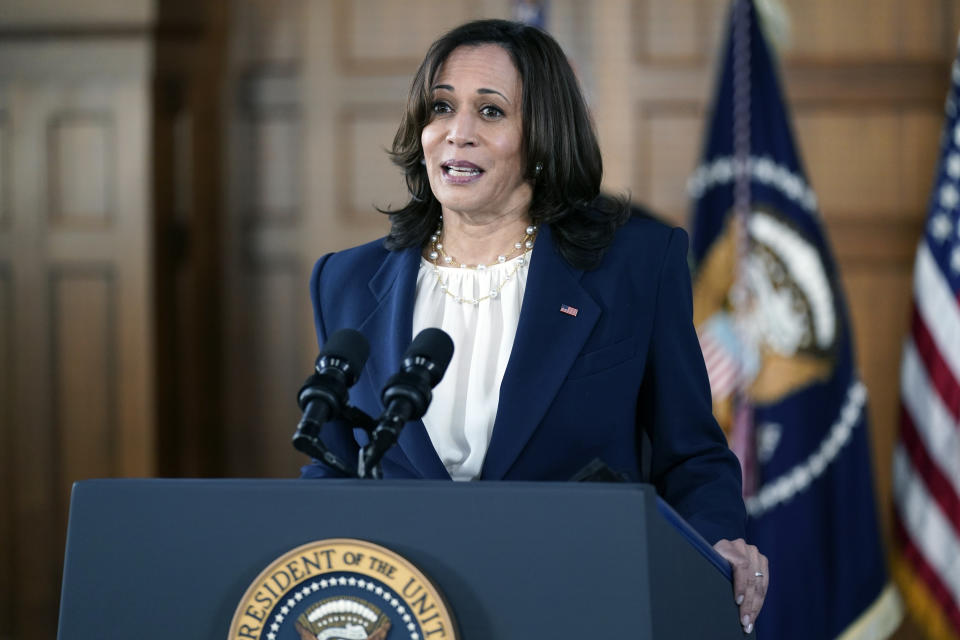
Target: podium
pixel 157 558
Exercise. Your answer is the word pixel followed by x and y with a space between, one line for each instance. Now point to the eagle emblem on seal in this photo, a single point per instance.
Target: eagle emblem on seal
pixel 787 336
pixel 342 618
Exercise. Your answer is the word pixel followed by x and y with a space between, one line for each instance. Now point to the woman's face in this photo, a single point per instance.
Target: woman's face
pixel 473 143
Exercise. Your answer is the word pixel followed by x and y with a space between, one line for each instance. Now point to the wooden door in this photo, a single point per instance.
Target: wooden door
pixel 76 361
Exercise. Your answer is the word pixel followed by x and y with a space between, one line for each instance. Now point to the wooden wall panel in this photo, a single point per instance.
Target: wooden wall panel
pixel 671 29
pixel 34 13
pixel 34 519
pixel 884 29
pixel 879 299
pixel 376 37
pixel 276 169
pixel 835 144
pixel 920 136
pixel 872 172
pixel 677 31
pixel 266 298
pixel 690 31
pixel 826 24
pixel 80 169
pixel 129 251
pixel 266 147
pixel 266 31
pixel 84 388
pixel 613 105
pixel 669 140
pixel 953 25
pixel 924 29
pixel 37 498
pixel 366 177
pixel 263 413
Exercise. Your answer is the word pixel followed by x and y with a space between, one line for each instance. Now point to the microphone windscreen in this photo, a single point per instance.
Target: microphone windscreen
pixel 348 345
pixel 434 345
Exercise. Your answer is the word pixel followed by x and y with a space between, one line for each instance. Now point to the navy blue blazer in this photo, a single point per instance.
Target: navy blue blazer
pixel 575 388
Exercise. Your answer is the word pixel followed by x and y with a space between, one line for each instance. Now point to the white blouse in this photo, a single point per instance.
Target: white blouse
pixel 460 418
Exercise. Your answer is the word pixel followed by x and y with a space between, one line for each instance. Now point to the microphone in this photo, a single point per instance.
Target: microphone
pixel 407 393
pixel 323 395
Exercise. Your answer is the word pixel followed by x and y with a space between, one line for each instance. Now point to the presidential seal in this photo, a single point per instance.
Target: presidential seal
pixel 342 589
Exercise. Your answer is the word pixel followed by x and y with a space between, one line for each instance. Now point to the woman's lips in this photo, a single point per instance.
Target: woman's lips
pixel 460 172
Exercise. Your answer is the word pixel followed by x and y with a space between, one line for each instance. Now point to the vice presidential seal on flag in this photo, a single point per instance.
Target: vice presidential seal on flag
pixel 776 339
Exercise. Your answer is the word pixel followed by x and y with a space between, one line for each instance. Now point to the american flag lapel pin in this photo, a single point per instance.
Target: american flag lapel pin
pixel 570 311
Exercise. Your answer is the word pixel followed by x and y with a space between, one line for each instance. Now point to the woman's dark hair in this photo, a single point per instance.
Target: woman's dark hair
pixel 557 133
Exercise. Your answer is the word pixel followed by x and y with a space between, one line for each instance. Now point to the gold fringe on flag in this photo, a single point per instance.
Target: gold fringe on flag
pixel 921 605
pixel 879 620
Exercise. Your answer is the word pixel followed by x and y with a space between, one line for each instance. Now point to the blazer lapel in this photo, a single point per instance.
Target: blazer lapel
pixel 394 286
pixel 548 340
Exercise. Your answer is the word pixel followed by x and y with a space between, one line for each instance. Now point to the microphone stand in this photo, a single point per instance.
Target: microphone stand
pixel 406 397
pixel 382 435
pixel 312 445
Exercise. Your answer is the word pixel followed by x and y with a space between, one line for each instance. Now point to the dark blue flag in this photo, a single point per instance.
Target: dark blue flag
pixel 776 339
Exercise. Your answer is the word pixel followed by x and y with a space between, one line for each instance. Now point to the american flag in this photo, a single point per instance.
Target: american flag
pixel 926 460
pixel 723 365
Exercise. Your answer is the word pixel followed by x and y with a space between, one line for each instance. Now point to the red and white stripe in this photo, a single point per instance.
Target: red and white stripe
pixel 937 304
pixel 722 366
pixel 926 465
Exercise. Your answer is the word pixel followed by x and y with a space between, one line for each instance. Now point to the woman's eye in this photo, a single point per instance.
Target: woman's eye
pixel 491 112
pixel 441 107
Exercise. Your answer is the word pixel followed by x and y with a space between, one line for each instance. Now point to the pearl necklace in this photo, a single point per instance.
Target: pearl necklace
pixel 437 253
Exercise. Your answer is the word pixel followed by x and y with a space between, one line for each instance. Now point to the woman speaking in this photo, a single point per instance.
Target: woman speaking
pixel 572 320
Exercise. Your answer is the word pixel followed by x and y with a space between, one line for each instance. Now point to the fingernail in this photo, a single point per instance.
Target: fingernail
pixel 740 599
pixel 745 620
pixel 749 628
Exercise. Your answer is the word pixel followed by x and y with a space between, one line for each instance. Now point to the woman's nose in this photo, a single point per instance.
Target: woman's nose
pixel 462 130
